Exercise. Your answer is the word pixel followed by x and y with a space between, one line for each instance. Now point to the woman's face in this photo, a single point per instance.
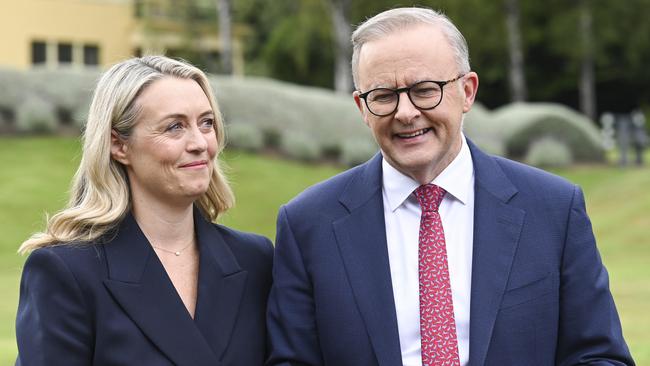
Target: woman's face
pixel 169 155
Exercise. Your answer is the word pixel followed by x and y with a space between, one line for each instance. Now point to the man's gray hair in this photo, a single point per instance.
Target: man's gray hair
pixel 393 20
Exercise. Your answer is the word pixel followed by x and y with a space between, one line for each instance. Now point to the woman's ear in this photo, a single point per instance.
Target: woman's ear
pixel 119 148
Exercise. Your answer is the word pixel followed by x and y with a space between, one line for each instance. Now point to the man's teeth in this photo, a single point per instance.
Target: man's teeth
pixel 413 134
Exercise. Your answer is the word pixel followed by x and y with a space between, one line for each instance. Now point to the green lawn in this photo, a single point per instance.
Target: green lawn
pixel 36 173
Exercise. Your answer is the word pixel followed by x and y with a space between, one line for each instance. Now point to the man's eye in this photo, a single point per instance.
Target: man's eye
pixel 425 91
pixel 382 97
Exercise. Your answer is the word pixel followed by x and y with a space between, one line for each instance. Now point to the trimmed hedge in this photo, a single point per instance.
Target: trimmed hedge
pixel 520 124
pixel 300 146
pixel 70 90
pixel 36 115
pixel 549 152
pixel 301 122
pixel 479 126
pixel 244 136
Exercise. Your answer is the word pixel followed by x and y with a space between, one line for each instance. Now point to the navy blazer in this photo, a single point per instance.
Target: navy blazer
pixel 539 292
pixel 112 303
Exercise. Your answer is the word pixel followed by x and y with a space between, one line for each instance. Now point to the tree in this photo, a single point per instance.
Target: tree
pixel 225 35
pixel 587 84
pixel 340 15
pixel 518 89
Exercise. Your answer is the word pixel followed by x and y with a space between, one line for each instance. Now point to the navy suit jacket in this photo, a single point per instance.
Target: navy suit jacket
pixel 112 303
pixel 539 292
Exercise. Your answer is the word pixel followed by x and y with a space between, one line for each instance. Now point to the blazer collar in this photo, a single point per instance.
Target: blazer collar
pixel 490 176
pixel 361 238
pixel 366 184
pixel 140 284
pixel 221 286
pixel 497 229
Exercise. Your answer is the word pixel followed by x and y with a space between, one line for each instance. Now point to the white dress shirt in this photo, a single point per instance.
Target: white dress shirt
pixel 402 215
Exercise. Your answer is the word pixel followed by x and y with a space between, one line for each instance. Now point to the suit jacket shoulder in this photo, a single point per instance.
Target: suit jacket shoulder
pixel 534 180
pixel 337 195
pixel 254 252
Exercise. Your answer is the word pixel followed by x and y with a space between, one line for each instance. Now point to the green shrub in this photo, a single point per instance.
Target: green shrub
pixel 70 90
pixel 272 137
pixel 549 152
pixel 522 123
pixel 355 152
pixel 36 115
pixel 14 86
pixel 4 123
pixel 479 127
pixel 277 108
pixel 80 117
pixel 331 152
pixel 299 146
pixel 244 136
pixel 304 122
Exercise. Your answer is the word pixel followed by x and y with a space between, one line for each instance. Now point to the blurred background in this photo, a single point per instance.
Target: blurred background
pixel 564 86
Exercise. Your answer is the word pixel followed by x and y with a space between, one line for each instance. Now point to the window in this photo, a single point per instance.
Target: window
pixel 39 52
pixel 65 53
pixel 91 55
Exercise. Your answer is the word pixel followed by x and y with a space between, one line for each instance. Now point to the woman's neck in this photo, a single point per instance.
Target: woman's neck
pixel 164 226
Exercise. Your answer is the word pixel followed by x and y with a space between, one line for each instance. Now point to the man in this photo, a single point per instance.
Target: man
pixel 432 252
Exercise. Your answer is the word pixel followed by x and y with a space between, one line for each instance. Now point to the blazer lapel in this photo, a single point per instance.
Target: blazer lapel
pixel 497 227
pixel 361 237
pixel 221 286
pixel 139 283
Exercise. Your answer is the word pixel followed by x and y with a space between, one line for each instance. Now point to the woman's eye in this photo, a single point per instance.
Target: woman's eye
pixel 176 126
pixel 207 123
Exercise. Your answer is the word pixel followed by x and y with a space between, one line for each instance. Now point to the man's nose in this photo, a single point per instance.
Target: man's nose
pixel 406 112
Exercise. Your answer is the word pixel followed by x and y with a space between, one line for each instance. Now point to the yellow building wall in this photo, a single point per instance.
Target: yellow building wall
pixel 108 24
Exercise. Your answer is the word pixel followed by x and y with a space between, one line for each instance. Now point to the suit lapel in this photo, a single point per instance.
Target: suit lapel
pixel 221 286
pixel 139 283
pixel 497 227
pixel 361 237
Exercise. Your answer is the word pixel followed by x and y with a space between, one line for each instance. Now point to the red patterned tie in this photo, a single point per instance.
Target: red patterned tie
pixel 437 324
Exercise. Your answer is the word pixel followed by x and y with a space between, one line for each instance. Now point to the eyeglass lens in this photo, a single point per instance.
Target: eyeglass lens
pixel 424 95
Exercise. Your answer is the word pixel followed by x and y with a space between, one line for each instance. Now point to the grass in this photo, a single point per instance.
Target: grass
pixel 36 173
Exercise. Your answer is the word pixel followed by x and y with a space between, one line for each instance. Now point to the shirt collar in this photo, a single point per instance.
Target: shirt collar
pixel 456 179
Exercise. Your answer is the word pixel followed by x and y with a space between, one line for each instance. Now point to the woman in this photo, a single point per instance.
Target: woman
pixel 133 272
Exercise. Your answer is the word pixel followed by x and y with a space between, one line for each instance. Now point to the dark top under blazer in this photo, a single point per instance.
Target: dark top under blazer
pixel 539 292
pixel 114 304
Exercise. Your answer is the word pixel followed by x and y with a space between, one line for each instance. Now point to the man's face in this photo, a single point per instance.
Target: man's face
pixel 418 143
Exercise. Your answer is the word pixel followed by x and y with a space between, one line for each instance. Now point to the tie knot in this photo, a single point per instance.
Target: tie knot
pixel 429 196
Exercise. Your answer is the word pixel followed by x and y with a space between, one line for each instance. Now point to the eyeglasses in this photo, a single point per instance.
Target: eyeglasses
pixel 424 95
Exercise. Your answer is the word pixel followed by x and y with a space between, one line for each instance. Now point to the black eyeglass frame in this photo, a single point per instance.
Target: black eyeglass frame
pixel 407 89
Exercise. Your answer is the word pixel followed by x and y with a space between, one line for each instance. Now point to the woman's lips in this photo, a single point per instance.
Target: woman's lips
pixel 195 164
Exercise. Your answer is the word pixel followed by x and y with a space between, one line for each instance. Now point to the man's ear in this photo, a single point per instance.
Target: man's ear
pixel 470 87
pixel 359 102
pixel 119 148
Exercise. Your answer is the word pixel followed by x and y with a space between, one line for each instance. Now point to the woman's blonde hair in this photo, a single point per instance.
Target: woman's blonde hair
pixel 100 196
